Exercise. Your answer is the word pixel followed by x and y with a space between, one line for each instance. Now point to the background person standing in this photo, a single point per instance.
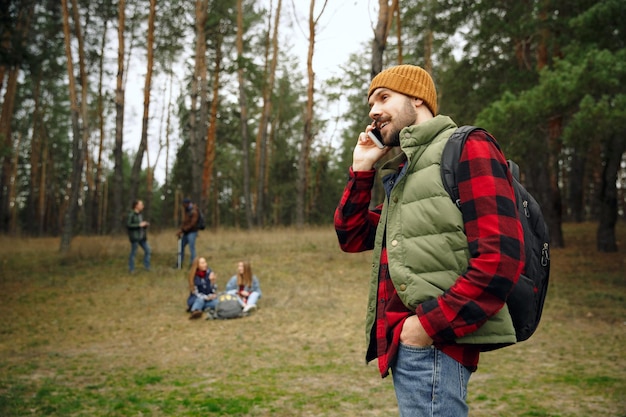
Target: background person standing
pixel 137 234
pixel 189 229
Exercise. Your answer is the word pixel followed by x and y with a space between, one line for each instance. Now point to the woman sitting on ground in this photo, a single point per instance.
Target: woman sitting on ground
pixel 246 286
pixel 202 288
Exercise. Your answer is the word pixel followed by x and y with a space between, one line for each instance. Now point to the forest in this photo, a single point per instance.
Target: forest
pixel 241 127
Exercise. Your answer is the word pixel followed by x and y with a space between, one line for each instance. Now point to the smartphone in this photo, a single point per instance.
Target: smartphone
pixel 376 137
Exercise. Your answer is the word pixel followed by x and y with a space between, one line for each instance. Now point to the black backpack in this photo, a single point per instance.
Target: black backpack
pixel 201 225
pixel 526 300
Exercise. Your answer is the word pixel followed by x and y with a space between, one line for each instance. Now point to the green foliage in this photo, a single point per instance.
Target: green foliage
pixel 601 25
pixel 351 88
pixel 509 120
pixel 174 22
pixel 41 115
pixel 486 59
pixel 586 89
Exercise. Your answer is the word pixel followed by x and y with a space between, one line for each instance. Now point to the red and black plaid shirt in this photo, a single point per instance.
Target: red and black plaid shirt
pixel 496 245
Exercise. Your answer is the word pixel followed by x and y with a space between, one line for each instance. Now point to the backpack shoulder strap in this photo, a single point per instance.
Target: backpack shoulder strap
pixel 450 160
pixel 514 168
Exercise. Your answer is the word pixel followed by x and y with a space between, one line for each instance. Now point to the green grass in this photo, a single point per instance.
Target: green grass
pixel 81 337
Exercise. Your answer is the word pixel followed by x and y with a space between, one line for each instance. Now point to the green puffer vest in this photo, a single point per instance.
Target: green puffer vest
pixel 426 244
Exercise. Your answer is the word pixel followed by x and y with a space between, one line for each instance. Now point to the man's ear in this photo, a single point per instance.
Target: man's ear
pixel 417 101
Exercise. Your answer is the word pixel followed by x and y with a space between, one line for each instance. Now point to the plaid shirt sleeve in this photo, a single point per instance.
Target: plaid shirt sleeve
pixel 355 223
pixel 496 245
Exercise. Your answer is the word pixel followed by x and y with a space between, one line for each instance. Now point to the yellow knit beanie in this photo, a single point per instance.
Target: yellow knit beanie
pixel 410 80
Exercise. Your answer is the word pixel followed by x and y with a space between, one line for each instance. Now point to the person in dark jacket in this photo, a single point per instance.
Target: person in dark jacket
pixel 202 288
pixel 137 234
pixel 189 229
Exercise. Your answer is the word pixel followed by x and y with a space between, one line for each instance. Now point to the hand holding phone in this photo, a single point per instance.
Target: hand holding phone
pixel 365 155
pixel 376 137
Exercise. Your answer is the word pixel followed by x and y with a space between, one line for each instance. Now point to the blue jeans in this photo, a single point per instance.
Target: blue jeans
pixel 429 383
pixel 201 304
pixel 252 298
pixel 146 254
pixel 189 238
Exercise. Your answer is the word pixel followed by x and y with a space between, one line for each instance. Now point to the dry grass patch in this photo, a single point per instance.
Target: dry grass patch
pixel 79 336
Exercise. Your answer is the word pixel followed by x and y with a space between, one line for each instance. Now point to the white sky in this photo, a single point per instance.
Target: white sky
pixel 343 28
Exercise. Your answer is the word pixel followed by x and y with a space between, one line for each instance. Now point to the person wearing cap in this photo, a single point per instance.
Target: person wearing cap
pixel 440 276
pixel 138 236
pixel 202 288
pixel 188 231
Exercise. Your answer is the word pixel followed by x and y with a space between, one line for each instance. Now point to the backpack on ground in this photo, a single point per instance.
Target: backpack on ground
pixel 201 225
pixel 228 307
pixel 525 302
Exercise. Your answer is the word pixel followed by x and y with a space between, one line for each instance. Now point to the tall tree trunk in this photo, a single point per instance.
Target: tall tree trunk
pixel 13 38
pixel 552 206
pixel 262 145
pixel 540 177
pixel 215 208
pixel 209 154
pixel 245 140
pixel 379 44
pixel 103 209
pixel 97 191
pixel 575 185
pixel 143 143
pixel 203 99
pixel 41 200
pixel 196 122
pixel 131 29
pixel 611 160
pixel 399 33
pixel 77 149
pixel 150 170
pixel 118 176
pixel 13 190
pixel 149 190
pixel 381 33
pixel 7 146
pixel 166 185
pixel 270 153
pixel 84 89
pixel 35 156
pixel 428 51
pixel 307 139
pixel 321 167
pixel 152 167
pixel 257 197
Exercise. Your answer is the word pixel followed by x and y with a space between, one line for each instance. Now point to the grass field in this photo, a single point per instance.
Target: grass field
pixel 79 336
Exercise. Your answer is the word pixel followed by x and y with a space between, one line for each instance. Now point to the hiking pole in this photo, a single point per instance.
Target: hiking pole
pixel 179 257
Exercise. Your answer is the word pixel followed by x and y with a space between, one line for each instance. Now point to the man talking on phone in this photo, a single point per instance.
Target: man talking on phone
pixel 440 275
